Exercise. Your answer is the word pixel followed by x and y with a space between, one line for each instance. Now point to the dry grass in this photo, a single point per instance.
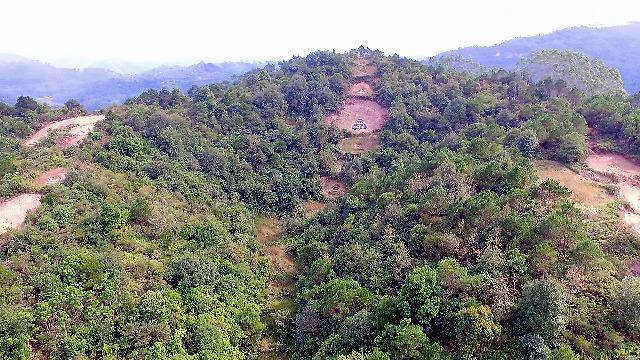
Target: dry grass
pixel 363 68
pixel 268 233
pixel 359 144
pixel 583 190
pixel 354 109
pixel 313 207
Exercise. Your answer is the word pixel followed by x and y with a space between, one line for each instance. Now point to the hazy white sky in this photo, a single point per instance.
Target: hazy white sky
pixel 189 30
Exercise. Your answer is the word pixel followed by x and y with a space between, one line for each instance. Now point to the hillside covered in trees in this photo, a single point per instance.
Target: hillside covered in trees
pixel 615 46
pixel 430 238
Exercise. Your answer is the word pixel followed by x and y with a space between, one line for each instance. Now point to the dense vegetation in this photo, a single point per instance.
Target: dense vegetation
pixel 590 76
pixel 445 246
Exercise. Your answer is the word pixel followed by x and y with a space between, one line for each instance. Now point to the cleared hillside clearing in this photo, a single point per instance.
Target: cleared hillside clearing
pixel 363 68
pixel 332 188
pixel 51 177
pixel 354 111
pixel 269 231
pixel 361 89
pixel 359 144
pixel 312 208
pixel 614 164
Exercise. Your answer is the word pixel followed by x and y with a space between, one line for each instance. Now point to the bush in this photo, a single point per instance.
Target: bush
pixel 626 305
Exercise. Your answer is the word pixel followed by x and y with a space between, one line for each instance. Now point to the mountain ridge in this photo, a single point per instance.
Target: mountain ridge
pixel 614 46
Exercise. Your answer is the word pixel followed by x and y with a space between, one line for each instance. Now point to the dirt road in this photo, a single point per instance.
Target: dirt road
pixel 78 127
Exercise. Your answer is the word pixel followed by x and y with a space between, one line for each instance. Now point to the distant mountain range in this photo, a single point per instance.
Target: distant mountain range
pixel 616 46
pixel 96 88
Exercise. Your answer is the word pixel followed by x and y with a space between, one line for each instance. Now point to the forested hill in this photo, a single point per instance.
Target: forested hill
pixel 96 88
pixel 615 46
pixel 340 206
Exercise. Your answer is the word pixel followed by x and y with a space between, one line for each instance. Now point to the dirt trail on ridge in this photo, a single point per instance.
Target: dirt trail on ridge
pixel 13 212
pixel 360 117
pixel 78 128
pixel 269 233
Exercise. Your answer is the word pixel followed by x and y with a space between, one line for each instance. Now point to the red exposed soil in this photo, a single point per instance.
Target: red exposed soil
pixel 51 177
pixel 625 171
pixel 361 89
pixel 370 112
pixel 615 164
pixel 78 128
pixel 332 188
pixel 13 212
pixel 631 219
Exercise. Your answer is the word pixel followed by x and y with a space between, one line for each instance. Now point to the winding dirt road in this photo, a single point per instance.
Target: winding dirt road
pixel 13 212
pixel 78 128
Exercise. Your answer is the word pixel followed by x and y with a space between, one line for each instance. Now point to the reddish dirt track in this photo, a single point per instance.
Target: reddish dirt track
pixel 13 212
pixel 610 163
pixel 625 172
pixel 332 188
pixel 51 177
pixel 371 113
pixel 78 128
pixel 361 89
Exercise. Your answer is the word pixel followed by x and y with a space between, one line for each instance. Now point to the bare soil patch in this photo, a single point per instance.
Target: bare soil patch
pixel 51 177
pixel 613 164
pixel 13 212
pixel 359 116
pixel 359 144
pixel 78 128
pixel 332 188
pixel 625 172
pixel 632 220
pixel 361 89
pixel 313 207
pixel 583 190
pixel 630 194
